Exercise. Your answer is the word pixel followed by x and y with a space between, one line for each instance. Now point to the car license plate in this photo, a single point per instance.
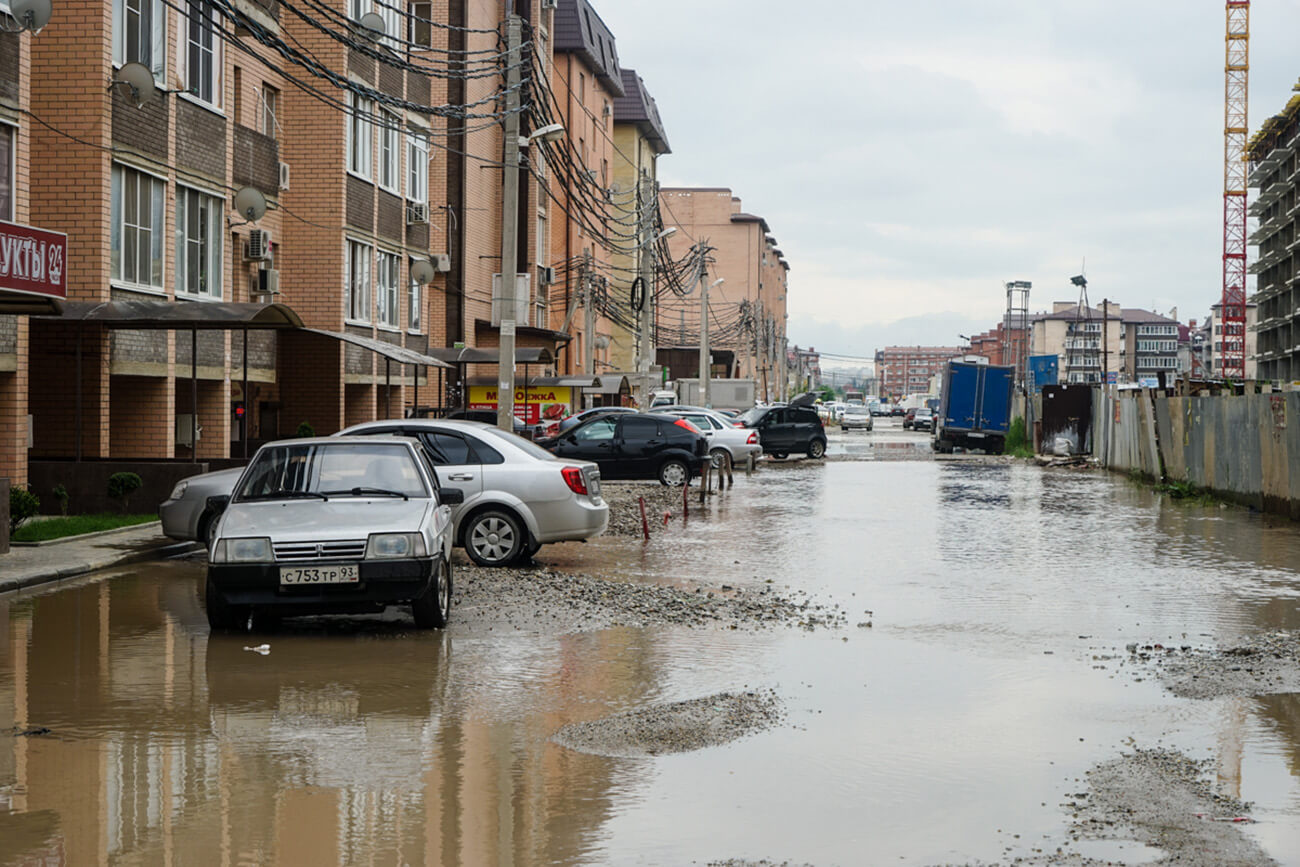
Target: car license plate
pixel 593 486
pixel 319 575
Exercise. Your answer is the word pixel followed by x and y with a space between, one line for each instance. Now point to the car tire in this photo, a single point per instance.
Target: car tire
pixel 674 473
pixel 816 449
pixel 780 456
pixel 721 459
pixel 433 609
pixel 207 529
pixel 494 537
pixel 222 616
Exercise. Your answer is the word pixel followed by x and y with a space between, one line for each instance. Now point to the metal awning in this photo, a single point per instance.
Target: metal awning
pixel 180 315
pixel 584 382
pixel 13 302
pixel 492 355
pixel 392 351
pixel 611 385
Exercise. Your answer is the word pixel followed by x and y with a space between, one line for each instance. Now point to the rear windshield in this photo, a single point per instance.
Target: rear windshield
pixel 527 446
pixel 750 416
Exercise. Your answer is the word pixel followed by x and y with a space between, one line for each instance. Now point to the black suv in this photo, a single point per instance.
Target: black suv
pixel 635 445
pixel 786 429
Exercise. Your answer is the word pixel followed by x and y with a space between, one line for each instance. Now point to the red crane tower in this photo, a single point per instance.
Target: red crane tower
pixel 1233 305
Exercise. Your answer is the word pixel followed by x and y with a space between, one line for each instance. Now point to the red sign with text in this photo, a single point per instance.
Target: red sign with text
pixel 33 260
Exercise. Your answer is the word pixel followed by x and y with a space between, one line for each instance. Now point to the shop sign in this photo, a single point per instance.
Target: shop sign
pixel 33 260
pixel 532 406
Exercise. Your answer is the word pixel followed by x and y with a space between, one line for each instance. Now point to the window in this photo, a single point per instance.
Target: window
pixel 359 135
pixel 139 34
pixel 6 172
pixel 417 167
pixel 136 231
pixel 421 32
pixel 198 243
pixel 386 282
pixel 270 111
pixel 358 289
pixel 600 430
pixel 202 67
pixel 413 303
pixel 386 9
pixel 390 157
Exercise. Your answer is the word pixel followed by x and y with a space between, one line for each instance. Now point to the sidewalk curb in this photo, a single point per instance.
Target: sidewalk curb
pixel 54 575
pixel 63 540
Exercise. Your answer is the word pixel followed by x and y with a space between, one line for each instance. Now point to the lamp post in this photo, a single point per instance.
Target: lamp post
pixel 645 358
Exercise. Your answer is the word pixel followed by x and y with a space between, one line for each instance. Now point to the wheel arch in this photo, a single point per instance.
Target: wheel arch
pixel 510 504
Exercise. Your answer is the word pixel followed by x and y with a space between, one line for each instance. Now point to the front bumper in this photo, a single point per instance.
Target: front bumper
pixel 178 522
pixel 382 582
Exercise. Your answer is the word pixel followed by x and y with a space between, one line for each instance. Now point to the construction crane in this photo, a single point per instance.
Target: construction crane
pixel 1232 307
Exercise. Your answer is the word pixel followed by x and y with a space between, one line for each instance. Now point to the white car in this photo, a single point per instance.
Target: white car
pixel 518 496
pixel 333 525
pixel 856 415
pixel 726 441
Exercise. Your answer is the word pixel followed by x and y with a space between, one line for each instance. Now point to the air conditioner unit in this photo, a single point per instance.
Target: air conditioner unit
pixel 441 262
pixel 550 4
pixel 268 281
pixel 523 295
pixel 259 245
pixel 546 275
pixel 284 176
pixel 417 212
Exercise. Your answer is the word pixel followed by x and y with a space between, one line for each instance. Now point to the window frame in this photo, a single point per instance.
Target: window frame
pixel 9 169
pixel 270 109
pixel 414 304
pixel 388 304
pixel 390 152
pixel 215 54
pixel 357 118
pixel 417 167
pixel 413 31
pixel 157 36
pixel 350 297
pixel 117 228
pixel 211 248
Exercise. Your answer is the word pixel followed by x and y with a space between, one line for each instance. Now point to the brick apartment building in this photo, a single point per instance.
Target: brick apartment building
pixel 1129 344
pixel 904 370
pixel 747 321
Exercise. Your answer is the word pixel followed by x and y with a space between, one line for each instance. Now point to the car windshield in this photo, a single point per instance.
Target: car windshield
pixel 324 470
pixel 855 410
pixel 751 416
pixel 923 412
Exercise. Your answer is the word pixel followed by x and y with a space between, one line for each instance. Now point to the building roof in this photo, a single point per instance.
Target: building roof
pixel 579 30
pixel 1126 314
pixel 638 107
pixel 742 217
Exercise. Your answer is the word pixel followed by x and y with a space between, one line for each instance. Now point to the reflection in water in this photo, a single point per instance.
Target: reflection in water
pixel 995 588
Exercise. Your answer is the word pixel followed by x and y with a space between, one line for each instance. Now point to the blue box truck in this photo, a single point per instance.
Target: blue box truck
pixel 974 406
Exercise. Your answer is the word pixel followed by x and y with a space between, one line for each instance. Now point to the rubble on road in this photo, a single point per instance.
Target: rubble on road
pixel 1264 664
pixel 680 727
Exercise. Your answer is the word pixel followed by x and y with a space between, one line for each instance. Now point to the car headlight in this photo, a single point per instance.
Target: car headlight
pixel 179 491
pixel 255 550
pixel 389 546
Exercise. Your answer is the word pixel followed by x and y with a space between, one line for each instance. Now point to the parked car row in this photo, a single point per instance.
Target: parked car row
pixel 367 517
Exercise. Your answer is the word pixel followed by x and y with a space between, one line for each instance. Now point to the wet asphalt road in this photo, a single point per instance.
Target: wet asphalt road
pixel 1001 598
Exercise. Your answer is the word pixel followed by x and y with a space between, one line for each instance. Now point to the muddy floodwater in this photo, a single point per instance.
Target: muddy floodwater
pixel 979 672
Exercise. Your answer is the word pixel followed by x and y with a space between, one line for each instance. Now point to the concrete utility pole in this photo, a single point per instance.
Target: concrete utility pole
pixel 509 228
pixel 1105 343
pixel 645 359
pixel 589 316
pixel 704 334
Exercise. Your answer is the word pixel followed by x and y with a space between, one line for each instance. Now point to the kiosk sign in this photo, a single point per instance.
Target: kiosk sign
pixel 33 261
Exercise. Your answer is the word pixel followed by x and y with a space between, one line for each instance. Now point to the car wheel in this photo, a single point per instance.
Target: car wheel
pixel 674 473
pixel 222 616
pixel 721 459
pixel 780 456
pixel 493 538
pixel 816 449
pixel 433 609
pixel 207 529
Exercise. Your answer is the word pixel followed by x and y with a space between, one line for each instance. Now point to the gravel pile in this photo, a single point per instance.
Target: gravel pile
pixel 545 600
pixel 1264 664
pixel 625 507
pixel 675 728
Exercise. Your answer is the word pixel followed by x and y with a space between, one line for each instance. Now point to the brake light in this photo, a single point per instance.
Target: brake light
pixel 681 422
pixel 737 424
pixel 574 479
pixel 753 439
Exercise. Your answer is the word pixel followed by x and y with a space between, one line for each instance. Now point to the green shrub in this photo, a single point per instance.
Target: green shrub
pixel 121 486
pixel 61 494
pixel 1017 443
pixel 23 504
pixel 305 429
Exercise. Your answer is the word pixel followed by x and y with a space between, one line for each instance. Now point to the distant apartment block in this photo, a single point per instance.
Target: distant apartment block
pixel 904 370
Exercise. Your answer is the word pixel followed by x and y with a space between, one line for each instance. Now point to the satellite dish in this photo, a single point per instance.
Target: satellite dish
pixel 373 22
pixel 31 14
pixel 250 203
pixel 422 271
pixel 139 78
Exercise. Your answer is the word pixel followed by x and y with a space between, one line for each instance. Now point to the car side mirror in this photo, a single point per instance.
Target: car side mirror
pixel 218 503
pixel 451 496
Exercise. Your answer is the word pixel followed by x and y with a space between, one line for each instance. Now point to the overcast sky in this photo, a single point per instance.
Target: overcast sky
pixel 913 156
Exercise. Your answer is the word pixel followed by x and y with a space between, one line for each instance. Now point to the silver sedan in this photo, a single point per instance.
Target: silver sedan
pixel 518 496
pixel 726 441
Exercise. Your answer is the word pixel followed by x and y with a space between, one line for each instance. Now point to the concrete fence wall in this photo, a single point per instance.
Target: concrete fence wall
pixel 1239 447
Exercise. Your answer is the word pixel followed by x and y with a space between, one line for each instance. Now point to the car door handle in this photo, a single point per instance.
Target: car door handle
pixel 461 477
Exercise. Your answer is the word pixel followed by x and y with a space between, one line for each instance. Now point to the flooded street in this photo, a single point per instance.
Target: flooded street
pixel 980 672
